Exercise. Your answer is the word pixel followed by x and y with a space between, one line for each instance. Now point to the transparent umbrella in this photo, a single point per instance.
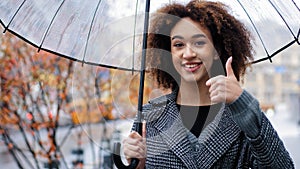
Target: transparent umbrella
pixel 112 33
pixel 98 32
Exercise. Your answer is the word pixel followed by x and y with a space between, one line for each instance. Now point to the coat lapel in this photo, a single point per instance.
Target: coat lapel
pixel 172 131
pixel 217 138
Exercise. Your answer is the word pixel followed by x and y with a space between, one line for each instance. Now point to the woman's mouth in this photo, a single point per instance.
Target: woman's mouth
pixel 192 67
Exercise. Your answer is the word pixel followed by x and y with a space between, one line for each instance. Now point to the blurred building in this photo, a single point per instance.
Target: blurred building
pixel 277 83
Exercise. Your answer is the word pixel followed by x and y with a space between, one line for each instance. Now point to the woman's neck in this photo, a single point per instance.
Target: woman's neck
pixel 194 94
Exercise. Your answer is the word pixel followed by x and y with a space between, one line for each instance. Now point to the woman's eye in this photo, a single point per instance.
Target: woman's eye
pixel 177 44
pixel 199 43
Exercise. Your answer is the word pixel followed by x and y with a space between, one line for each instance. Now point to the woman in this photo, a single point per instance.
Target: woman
pixel 201 52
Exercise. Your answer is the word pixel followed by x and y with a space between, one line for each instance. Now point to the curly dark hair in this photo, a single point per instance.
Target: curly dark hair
pixel 230 38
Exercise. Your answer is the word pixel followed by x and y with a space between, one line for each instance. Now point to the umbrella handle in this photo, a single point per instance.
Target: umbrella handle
pixel 118 161
pixel 116 154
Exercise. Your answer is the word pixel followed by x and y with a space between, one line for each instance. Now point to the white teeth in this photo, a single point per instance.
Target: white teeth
pixel 191 66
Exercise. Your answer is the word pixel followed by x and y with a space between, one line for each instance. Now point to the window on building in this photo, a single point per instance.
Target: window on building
pixel 268 78
pixel 286 78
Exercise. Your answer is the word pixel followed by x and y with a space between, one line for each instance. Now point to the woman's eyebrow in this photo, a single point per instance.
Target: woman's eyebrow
pixel 176 37
pixel 199 36
pixel 194 36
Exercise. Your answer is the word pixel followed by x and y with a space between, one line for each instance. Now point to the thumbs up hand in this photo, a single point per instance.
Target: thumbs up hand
pixel 224 88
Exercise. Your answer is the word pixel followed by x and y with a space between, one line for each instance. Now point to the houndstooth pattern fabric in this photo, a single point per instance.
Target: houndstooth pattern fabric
pixel 221 144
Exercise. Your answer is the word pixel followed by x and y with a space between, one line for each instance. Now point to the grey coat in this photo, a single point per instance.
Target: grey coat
pixel 222 144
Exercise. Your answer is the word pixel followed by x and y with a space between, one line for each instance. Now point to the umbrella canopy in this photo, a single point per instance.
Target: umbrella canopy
pixel 93 32
pixel 108 33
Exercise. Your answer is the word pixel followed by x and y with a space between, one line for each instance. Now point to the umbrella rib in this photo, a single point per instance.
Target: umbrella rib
pixel 48 28
pixel 89 63
pixel 296 5
pixel 90 29
pixel 284 47
pixel 259 60
pixel 258 34
pixel 6 27
pixel 275 53
pixel 289 28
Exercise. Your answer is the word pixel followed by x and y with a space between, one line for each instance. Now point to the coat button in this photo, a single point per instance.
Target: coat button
pixel 197 147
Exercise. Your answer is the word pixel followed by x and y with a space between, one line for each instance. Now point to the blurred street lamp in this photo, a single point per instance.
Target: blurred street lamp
pixel 105 155
pixel 52 165
pixel 78 162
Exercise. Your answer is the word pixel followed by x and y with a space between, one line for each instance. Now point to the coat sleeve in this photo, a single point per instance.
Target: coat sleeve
pixel 266 148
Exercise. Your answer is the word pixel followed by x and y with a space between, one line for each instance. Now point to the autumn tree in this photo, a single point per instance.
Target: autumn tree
pixel 34 90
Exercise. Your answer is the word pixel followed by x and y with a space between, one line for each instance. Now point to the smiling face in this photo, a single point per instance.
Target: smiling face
pixel 192 50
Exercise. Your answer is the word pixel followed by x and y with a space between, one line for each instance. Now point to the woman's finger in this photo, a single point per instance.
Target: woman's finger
pixel 133 151
pixel 144 129
pixel 134 141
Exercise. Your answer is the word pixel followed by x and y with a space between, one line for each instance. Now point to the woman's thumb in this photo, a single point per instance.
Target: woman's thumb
pixel 229 70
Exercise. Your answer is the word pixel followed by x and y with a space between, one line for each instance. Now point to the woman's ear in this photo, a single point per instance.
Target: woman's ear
pixel 216 57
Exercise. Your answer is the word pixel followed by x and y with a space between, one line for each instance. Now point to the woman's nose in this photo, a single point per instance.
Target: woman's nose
pixel 188 53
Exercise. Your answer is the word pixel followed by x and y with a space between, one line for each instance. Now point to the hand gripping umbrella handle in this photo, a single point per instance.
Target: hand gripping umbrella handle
pixel 116 154
pixel 118 161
